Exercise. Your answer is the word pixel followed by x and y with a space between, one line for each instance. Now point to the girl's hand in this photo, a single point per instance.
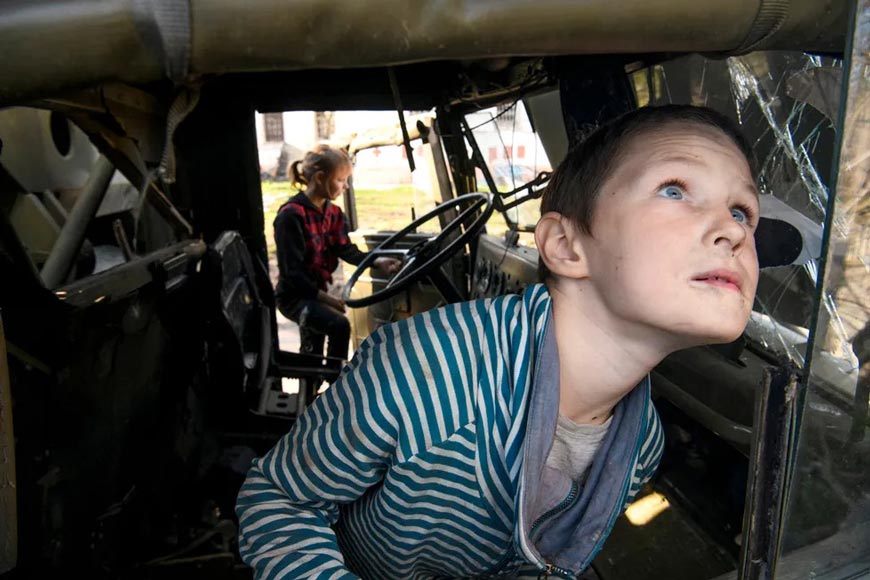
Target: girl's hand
pixel 331 301
pixel 337 303
pixel 388 265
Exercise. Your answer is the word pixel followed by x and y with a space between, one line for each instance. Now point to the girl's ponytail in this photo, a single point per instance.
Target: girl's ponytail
pixel 321 158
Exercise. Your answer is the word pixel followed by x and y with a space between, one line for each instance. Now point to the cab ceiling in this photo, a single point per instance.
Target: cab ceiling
pixel 53 45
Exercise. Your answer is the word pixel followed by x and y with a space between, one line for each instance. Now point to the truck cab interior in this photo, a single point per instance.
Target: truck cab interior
pixel 140 366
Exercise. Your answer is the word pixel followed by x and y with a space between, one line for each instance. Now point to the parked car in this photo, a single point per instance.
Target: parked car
pixel 509 176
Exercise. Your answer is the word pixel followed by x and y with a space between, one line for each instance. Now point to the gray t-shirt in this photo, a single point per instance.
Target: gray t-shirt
pixel 574 446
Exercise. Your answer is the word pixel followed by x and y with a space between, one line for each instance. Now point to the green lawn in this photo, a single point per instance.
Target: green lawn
pixel 378 209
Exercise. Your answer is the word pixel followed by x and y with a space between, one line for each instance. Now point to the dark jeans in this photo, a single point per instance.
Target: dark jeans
pixel 317 320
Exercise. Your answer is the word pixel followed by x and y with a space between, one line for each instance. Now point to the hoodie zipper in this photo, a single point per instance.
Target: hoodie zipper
pixel 551 570
pixel 560 507
pixel 617 512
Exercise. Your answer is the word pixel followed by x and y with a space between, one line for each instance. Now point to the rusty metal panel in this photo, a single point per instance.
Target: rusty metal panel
pixel 49 46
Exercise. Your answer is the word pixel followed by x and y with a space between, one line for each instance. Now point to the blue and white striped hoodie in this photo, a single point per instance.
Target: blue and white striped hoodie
pixel 426 459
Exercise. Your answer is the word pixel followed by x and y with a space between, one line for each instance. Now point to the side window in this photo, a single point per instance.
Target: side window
pixel 387 193
pixel 792 142
pixel 514 156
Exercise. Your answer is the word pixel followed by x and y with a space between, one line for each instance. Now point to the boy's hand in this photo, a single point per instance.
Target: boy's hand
pixel 388 265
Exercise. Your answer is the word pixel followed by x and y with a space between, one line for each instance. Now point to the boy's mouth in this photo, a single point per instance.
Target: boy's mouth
pixel 721 278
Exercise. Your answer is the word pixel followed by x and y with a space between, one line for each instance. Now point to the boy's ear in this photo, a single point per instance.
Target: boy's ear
pixel 560 246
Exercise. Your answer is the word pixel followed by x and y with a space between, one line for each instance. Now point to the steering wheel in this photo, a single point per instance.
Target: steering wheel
pixel 424 259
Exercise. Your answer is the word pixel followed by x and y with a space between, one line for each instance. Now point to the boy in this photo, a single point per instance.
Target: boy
pixel 504 437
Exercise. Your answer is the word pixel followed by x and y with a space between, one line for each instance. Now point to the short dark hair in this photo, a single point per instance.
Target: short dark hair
pixel 575 184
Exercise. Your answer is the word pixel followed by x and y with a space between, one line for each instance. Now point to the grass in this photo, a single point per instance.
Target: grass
pixel 378 209
pixel 389 209
pixel 274 194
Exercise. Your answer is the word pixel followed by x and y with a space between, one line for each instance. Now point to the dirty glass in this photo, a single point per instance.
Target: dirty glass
pixel 513 153
pixel 827 527
pixel 787 104
pixel 781 104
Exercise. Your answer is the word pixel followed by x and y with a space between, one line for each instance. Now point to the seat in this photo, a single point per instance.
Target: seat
pixel 244 330
pixel 228 265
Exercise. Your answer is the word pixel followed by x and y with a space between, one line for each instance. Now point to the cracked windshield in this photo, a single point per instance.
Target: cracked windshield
pixel 787 104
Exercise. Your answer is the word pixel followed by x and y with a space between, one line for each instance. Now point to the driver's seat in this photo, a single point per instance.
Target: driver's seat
pixel 242 332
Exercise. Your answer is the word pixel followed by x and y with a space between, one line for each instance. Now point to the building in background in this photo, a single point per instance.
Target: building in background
pixel 505 136
pixel 294 132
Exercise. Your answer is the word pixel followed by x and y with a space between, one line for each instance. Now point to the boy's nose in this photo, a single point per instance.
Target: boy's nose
pixel 728 232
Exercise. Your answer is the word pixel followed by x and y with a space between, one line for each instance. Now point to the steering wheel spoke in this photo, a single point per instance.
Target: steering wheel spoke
pixel 389 253
pixel 456 223
pixel 406 269
pixel 445 285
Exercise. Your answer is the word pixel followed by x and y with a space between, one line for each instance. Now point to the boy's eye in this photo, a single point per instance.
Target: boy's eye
pixel 671 192
pixel 740 215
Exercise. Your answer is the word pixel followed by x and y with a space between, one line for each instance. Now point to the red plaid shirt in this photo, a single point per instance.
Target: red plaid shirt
pixel 309 242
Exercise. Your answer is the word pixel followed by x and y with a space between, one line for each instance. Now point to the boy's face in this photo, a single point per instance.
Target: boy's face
pixel 672 245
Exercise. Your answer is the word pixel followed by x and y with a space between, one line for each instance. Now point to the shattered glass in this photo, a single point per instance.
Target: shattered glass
pixel 827 526
pixel 788 105
pixel 782 102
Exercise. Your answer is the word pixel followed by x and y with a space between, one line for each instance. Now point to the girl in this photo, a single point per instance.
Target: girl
pixel 311 235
